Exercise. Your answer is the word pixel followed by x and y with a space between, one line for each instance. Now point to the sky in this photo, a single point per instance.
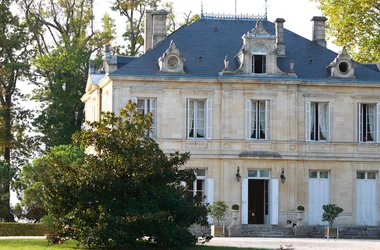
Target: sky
pixel 297 13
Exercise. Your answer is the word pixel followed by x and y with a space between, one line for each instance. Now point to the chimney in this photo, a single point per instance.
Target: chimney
pixel 148 30
pixel 159 26
pixel 280 43
pixel 92 67
pixel 319 30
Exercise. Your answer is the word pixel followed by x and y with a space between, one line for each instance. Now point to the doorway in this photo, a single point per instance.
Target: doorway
pixel 258 208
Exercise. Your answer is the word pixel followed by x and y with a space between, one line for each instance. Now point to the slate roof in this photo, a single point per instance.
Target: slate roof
pixel 205 43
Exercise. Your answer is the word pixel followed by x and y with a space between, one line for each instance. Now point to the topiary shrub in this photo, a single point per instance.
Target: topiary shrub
pixel 235 207
pixel 301 208
pixel 332 211
pixel 218 210
pixel 22 229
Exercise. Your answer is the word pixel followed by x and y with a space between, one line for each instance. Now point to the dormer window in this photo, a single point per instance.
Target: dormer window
pixel 259 60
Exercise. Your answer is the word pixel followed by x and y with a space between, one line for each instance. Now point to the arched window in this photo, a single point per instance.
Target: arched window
pixel 259 59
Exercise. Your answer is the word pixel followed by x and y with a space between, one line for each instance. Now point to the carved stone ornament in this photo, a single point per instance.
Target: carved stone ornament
pixel 258 31
pixel 342 66
pixel 171 61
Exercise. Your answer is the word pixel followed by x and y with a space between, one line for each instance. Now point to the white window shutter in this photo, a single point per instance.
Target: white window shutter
pixel 153 109
pixel 209 119
pixel 244 201
pixel 188 118
pixel 183 183
pixel 248 119
pixel 210 195
pixel 328 121
pixel 378 122
pixel 360 117
pixel 307 120
pixel 273 201
pixel 267 119
pixel 134 99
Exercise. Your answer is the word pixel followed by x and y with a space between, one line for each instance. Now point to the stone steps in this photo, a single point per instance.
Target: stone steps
pixel 266 231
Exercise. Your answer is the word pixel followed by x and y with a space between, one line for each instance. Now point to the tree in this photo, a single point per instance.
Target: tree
pixel 134 11
pixel 355 24
pixel 126 188
pixel 15 53
pixel 65 36
pixel 29 184
pixel 218 210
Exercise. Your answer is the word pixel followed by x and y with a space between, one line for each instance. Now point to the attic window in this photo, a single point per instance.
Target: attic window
pixel 259 60
pixel 343 67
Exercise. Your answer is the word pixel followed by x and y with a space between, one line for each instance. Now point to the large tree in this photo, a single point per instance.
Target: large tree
pixel 126 188
pixel 15 52
pixel 355 24
pixel 65 36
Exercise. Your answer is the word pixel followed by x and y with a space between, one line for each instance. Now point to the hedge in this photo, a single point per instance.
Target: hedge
pixel 22 229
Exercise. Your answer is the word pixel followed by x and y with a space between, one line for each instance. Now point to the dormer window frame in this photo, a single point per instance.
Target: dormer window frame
pixel 259 59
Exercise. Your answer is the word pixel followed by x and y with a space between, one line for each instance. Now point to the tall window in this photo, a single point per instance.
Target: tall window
pixel 257 120
pixel 317 121
pixel 259 60
pixel 369 122
pixel 199 119
pixel 198 187
pixel 144 106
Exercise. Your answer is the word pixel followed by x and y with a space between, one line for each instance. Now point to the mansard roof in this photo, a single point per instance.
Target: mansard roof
pixel 206 42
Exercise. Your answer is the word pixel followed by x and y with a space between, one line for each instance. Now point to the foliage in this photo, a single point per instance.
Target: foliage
pixel 126 188
pixel 29 184
pixel 15 53
pixel 6 175
pixel 356 24
pixel 235 207
pixel 64 34
pixel 301 208
pixel 218 210
pixel 22 229
pixel 173 23
pixel 331 212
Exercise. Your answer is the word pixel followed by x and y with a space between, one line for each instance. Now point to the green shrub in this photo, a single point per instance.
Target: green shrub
pixel 22 229
pixel 301 208
pixel 235 207
pixel 218 210
pixel 332 211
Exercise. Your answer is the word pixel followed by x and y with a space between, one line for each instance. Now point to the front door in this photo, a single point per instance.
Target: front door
pixel 319 195
pixel 366 199
pixel 259 198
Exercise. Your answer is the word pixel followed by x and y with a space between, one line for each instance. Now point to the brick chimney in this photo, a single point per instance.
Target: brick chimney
pixel 159 25
pixel 280 43
pixel 319 30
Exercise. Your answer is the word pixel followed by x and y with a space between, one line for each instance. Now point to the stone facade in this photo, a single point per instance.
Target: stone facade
pixel 285 148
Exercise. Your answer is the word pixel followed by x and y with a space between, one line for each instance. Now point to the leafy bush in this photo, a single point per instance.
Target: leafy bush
pixel 301 208
pixel 332 211
pixel 235 207
pixel 218 210
pixel 125 191
pixel 22 229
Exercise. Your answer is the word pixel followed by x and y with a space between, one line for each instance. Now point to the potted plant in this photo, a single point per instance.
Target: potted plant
pixel 331 212
pixel 235 213
pixel 217 211
pixel 300 214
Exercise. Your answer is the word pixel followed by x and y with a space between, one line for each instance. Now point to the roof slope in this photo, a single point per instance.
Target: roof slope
pixel 205 43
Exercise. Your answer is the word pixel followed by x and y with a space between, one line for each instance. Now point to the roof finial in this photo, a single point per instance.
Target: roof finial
pixel 266 10
pixel 201 8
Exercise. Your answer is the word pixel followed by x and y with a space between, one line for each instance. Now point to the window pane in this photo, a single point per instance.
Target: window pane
pixel 141 106
pixel 360 175
pixel 371 176
pixel 324 175
pixel 200 188
pixel 201 172
pixel 313 174
pixel 264 173
pixel 190 187
pixel 252 173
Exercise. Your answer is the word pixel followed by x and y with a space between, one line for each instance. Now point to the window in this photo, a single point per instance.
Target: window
pixel 145 106
pixel 259 174
pixel 259 60
pixel 366 175
pixel 257 120
pixel 199 119
pixel 198 187
pixel 317 121
pixel 369 122
pixel 318 174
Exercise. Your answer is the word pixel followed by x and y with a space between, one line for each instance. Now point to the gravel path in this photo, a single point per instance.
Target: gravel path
pixel 297 243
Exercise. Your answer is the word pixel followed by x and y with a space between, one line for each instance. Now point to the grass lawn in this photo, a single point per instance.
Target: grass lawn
pixel 42 244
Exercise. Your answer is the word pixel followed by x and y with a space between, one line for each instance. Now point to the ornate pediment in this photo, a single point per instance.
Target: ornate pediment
pixel 171 60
